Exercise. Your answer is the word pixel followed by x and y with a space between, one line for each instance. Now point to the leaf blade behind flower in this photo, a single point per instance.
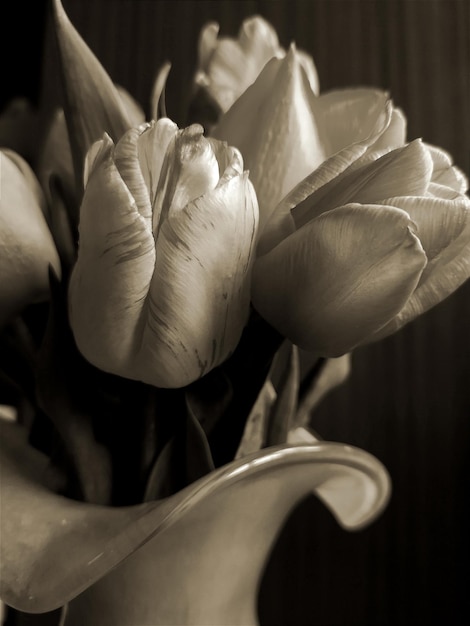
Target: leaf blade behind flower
pixel 92 103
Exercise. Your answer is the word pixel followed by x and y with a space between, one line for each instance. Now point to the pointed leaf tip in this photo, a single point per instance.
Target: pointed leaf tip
pixel 92 103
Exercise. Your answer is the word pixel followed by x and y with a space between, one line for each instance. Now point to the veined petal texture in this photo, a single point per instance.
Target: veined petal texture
pixel 340 277
pixel 161 289
pixel 115 263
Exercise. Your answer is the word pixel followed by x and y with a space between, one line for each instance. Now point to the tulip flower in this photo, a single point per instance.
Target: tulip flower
pixel 26 246
pixel 228 66
pixel 284 131
pixel 372 248
pixel 161 289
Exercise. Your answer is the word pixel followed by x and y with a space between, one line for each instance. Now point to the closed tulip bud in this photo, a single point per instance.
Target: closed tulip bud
pixel 26 246
pixel 374 247
pixel 161 289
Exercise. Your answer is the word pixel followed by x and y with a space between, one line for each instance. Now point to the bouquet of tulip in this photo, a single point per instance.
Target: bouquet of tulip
pixel 173 304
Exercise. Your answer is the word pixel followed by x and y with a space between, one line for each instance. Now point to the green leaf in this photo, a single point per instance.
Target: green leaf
pixel 285 377
pixel 184 458
pixel 60 377
pixel 92 103
pixel 247 369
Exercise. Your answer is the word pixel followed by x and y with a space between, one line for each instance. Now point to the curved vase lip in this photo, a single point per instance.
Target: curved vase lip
pixel 97 538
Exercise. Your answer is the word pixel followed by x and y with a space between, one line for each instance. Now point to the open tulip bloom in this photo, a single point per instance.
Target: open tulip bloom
pixel 174 302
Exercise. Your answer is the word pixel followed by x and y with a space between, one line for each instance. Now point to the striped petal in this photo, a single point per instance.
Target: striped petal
pixel 165 302
pixel 115 263
pixel 126 159
pixel 190 168
pixel 339 278
pixel 152 147
pixel 401 172
pixel 199 295
pixel 139 157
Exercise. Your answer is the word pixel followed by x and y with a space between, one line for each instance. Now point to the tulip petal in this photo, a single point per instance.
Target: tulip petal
pixel 152 146
pixel 439 222
pixel 339 278
pixel 26 245
pixel 189 169
pixel 435 190
pixel 445 273
pixel 92 155
pixel 227 73
pixel 126 158
pixel 259 40
pixel 284 147
pixel 401 172
pixel 346 116
pixel 115 263
pixel 343 161
pixel 310 71
pixel 228 66
pixel 207 42
pixel 281 223
pixel 30 179
pixel 250 105
pixel 199 295
pixel 395 134
pixel 444 172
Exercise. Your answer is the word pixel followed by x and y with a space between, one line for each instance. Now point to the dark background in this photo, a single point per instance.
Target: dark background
pixel 407 400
